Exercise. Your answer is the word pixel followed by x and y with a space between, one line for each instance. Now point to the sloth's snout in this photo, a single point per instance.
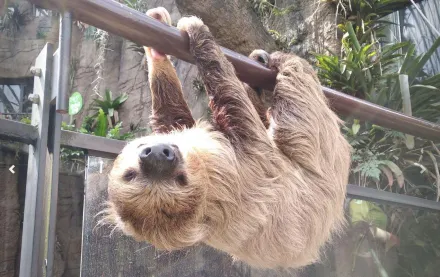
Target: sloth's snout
pixel 158 159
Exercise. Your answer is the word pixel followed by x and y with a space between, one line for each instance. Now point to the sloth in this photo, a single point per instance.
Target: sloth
pixel 265 186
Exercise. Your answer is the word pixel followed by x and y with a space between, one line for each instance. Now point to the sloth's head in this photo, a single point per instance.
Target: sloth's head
pixel 159 184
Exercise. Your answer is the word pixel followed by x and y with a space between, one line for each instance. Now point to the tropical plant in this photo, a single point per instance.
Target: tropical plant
pixel 420 244
pixel 115 133
pixel 13 20
pixel 101 40
pixel 266 8
pixel 109 106
pixel 378 230
pixel 102 124
pixel 138 5
pixel 374 75
pixel 362 70
pixel 73 159
pixel 390 75
pixel 26 120
pixel 368 9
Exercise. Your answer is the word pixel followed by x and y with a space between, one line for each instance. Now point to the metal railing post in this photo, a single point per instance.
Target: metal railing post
pixel 51 85
pixel 32 248
pixel 60 92
pixel 65 43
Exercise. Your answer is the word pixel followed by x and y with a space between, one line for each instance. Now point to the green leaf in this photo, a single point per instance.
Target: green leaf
pixel 75 103
pixel 361 210
pixel 425 57
pixel 352 36
pixel 119 100
pixel 108 95
pixel 101 125
pixel 426 87
pixel 111 111
pixel 355 127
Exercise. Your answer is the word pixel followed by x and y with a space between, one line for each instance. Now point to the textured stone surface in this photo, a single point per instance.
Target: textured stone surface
pixel 232 22
pixel 311 26
pixel 18 53
pixel 9 213
pixel 125 73
pixel 17 56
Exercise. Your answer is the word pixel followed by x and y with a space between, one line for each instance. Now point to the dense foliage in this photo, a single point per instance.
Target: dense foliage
pixel 389 74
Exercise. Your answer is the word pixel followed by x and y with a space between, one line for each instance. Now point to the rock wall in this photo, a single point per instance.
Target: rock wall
pixel 125 72
pixel 18 53
pixel 310 27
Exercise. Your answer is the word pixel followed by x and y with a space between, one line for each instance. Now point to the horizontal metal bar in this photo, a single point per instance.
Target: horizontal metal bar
pixel 137 27
pixel 92 143
pixel 17 131
pixel 364 110
pixel 15 113
pixel 390 198
pixel 25 133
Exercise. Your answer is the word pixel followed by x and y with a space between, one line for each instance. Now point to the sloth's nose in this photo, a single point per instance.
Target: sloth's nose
pixel 158 159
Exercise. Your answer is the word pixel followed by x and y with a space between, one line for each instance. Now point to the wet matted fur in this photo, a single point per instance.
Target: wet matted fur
pixel 267 187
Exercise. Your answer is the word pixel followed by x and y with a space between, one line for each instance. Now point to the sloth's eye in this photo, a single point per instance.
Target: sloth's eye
pixel 129 175
pixel 182 180
pixel 261 60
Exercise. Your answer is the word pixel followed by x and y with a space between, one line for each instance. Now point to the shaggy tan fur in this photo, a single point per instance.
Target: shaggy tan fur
pixel 271 197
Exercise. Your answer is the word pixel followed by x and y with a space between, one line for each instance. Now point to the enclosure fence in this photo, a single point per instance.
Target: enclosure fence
pixel 45 136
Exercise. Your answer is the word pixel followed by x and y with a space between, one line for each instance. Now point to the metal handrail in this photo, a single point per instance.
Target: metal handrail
pixel 139 28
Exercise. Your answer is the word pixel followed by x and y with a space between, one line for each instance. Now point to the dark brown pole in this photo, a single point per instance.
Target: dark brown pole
pixel 120 20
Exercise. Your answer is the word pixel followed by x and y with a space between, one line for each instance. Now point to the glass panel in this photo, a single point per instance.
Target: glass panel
pixel 67 259
pixel 384 241
pixel 113 254
pixel 380 241
pixel 12 193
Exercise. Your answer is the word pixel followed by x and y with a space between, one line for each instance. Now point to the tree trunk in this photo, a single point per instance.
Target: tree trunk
pixel 232 22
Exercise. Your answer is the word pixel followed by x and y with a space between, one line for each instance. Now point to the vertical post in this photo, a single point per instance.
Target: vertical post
pixel 32 249
pixel 65 42
pixel 54 157
pixel 60 87
pixel 50 102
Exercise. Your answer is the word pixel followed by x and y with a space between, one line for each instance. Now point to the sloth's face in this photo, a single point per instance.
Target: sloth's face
pixel 158 187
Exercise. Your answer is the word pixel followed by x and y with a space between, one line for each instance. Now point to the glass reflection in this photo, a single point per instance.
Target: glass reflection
pixel 380 241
